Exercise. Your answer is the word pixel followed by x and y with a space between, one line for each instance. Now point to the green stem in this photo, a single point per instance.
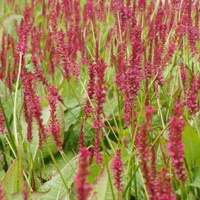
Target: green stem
pixel 58 170
pixel 15 102
pixel 130 180
pixel 107 168
pixel 12 143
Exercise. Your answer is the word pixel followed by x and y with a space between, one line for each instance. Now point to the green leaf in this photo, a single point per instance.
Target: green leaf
pixel 102 188
pixel 9 23
pixel 71 117
pixel 191 142
pixel 196 181
pixel 71 92
pixel 48 171
pixel 55 187
pixel 13 180
pixel 32 195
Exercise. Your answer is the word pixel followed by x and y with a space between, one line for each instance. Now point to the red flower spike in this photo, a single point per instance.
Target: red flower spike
pixel 147 155
pixel 117 166
pixel 54 125
pixel 32 106
pixel 90 90
pixel 2 123
pixel 163 187
pixel 175 145
pixel 81 137
pixel 81 182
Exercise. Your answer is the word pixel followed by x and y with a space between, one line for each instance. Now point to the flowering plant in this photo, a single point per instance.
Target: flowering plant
pixel 99 99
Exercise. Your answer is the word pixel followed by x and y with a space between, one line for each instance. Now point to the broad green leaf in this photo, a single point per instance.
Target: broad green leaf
pixel 71 117
pixel 32 195
pixel 13 180
pixel 70 93
pixel 3 89
pixel 196 179
pixel 55 187
pixel 49 170
pixel 9 23
pixel 109 107
pixel 102 187
pixel 2 173
pixel 191 142
pixel 94 172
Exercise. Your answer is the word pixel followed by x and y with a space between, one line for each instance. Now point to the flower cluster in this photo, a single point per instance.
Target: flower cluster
pixel 2 123
pixel 24 30
pixel 100 98
pixel 117 166
pixel 54 124
pixel 83 187
pixel 70 66
pixel 175 145
pixel 32 107
pixel 192 95
pixel 145 152
pixel 163 187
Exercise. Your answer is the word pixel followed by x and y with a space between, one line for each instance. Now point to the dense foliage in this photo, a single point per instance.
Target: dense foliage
pixel 100 99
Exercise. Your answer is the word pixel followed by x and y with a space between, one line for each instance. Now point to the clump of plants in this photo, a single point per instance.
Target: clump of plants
pixel 100 99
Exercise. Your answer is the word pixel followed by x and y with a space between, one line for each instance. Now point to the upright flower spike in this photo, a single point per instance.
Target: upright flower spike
pixel 53 17
pixel 81 137
pixel 2 123
pixel 117 166
pixel 81 182
pixel 90 90
pixel 70 67
pixel 128 73
pixel 183 76
pixel 147 156
pixel 3 60
pixel 100 11
pixel 36 52
pixel 54 125
pixel 32 106
pixel 24 30
pixel 89 12
pixel 100 98
pixel 192 95
pixel 175 145
pixel 163 187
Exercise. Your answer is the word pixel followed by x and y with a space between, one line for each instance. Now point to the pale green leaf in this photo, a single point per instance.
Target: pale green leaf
pixel 13 180
pixel 55 187
pixel 191 142
pixel 102 188
pixel 71 117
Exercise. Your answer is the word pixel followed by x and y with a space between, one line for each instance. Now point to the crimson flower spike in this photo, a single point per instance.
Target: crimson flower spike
pixel 117 166
pixel 100 98
pixel 54 125
pixel 81 137
pixel 32 106
pixel 163 186
pixel 147 155
pixel 81 182
pixel 175 145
